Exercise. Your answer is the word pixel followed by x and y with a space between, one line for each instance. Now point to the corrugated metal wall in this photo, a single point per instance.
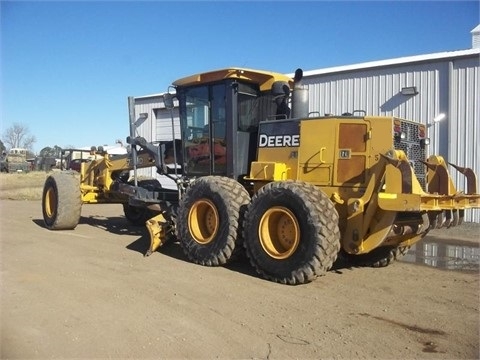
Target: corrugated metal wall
pixel 378 92
pixel 464 125
pixel 444 86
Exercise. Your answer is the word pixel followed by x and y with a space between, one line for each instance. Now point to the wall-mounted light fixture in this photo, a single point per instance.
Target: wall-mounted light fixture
pixel 437 119
pixel 440 117
pixel 143 115
pixel 409 90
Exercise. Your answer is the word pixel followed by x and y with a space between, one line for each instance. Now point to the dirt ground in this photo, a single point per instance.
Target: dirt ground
pixel 90 293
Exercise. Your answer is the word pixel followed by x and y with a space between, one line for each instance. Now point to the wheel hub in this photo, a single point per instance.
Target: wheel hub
pixel 50 202
pixel 279 232
pixel 203 221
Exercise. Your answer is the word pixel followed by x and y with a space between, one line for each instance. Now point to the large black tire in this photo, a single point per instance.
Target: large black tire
pixel 380 257
pixel 62 201
pixel 291 232
pixel 209 219
pixel 138 215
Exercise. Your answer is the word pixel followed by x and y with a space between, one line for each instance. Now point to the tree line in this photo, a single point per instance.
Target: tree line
pixel 18 136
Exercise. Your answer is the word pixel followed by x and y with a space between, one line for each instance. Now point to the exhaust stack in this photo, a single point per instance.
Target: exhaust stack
pixel 300 103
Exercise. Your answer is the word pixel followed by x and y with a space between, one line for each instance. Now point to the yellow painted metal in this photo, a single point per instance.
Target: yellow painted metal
pixel 268 171
pixel 279 232
pixel 439 180
pixel 50 202
pixel 337 199
pixel 203 221
pixel 264 79
pixel 96 176
pixel 317 151
pixel 444 196
pixel 353 211
pixel 376 228
pixel 353 161
pixel 404 240
pixel 285 157
pixel 157 228
pixel 367 226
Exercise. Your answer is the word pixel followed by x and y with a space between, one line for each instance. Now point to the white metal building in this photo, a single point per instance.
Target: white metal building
pixel 419 88
pixel 153 122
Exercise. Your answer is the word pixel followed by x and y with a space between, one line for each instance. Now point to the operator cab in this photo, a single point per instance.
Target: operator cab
pixel 219 116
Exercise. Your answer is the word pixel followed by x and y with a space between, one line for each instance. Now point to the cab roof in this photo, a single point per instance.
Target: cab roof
pixel 264 79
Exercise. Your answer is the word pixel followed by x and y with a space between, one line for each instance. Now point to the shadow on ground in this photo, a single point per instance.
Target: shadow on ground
pixel 119 225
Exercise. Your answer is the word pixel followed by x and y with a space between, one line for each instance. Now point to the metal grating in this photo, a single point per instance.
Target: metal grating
pixel 415 153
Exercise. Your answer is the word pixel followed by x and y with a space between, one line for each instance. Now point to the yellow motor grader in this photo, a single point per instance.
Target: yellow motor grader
pixel 256 171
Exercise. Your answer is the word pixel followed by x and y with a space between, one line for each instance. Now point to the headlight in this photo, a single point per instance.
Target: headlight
pixel 424 142
pixel 400 136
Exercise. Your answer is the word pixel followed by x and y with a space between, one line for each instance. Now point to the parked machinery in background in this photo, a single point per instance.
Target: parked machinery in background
pixel 15 160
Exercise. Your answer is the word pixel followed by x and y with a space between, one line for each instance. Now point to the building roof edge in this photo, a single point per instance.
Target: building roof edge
pixel 390 62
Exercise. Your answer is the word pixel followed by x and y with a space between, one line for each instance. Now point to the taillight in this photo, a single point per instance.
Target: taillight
pixel 397 126
pixel 397 130
pixel 422 132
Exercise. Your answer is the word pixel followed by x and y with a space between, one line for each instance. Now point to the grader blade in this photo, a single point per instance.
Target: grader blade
pixel 158 229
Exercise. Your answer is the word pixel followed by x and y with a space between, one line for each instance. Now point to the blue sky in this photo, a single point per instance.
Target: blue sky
pixel 67 68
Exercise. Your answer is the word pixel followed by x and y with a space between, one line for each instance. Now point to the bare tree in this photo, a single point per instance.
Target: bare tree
pixel 18 135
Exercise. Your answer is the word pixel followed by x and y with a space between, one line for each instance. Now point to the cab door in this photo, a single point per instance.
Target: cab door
pixel 203 130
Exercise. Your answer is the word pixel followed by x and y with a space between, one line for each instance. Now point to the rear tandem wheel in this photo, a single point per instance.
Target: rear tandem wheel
pixel 210 218
pixel 291 232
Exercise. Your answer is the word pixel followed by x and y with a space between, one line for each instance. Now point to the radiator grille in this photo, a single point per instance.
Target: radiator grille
pixel 412 148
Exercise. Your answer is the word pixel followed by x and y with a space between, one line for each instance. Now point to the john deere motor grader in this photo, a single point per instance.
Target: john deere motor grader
pixel 255 170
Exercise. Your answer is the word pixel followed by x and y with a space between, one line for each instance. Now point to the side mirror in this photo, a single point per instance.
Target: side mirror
pixel 168 100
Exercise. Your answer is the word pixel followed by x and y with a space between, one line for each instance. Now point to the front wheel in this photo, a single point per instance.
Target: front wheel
pixel 291 232
pixel 61 201
pixel 209 219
